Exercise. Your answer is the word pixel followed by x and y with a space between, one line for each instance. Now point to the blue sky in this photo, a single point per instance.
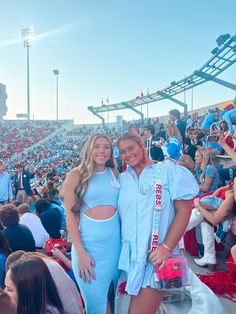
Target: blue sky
pixel 110 49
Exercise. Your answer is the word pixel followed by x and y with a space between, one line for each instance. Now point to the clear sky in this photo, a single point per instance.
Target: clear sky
pixel 109 48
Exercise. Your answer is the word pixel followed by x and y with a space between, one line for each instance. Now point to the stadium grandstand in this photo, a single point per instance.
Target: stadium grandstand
pixel 203 141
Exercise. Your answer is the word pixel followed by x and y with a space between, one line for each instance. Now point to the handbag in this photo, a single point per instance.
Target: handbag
pixel 175 273
pixel 211 202
pixel 51 243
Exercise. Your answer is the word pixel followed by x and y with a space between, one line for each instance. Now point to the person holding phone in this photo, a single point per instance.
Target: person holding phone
pixel 212 145
pixel 225 132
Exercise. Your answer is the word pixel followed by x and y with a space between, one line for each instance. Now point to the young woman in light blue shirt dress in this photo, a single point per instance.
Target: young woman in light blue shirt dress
pixel 136 206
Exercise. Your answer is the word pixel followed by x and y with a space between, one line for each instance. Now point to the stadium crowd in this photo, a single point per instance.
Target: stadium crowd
pixel 35 246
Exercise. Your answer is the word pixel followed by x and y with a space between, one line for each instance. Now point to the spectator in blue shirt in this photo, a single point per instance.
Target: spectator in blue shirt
pixel 173 148
pixel 50 217
pixel 6 194
pixel 230 118
pixel 57 203
pixel 208 121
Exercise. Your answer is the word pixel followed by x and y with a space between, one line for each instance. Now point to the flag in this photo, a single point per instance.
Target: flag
pixel 102 102
pixel 142 94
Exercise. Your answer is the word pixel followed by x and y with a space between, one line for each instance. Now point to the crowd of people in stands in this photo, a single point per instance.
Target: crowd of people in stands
pixel 34 163
pixel 17 136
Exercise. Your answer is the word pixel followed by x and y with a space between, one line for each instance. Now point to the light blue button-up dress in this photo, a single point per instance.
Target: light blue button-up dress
pixel 136 205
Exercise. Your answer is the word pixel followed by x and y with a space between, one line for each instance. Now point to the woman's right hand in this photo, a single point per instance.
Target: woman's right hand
pixel 86 265
pixel 196 201
pixel 221 141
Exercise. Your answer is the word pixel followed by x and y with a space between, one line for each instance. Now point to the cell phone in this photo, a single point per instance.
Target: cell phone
pixel 157 143
pixel 213 138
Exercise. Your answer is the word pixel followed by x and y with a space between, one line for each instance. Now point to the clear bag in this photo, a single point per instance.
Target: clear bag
pixel 174 275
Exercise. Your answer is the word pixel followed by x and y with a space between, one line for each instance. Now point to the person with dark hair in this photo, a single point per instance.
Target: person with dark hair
pixel 33 222
pixel 225 131
pixel 230 118
pixel 174 115
pixel 161 132
pixel 186 161
pixel 6 305
pixel 52 174
pixel 18 236
pixel 90 196
pixel 31 287
pixel 50 217
pixel 53 197
pixel 22 183
pixel 227 174
pixel 181 125
pixel 4 252
pixel 17 203
pixel 67 290
pixel 191 147
pixel 154 152
pixel 201 139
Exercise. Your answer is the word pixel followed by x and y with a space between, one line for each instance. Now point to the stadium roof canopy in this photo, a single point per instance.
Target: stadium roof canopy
pixel 224 55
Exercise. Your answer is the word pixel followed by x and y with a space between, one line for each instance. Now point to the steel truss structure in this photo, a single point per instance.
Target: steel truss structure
pixel 223 57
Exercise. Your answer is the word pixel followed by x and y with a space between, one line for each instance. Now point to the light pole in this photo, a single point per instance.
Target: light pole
pixel 27 34
pixel 56 72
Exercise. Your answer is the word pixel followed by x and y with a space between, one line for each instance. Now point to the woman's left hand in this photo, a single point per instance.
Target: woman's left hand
pixel 196 201
pixel 159 256
pixel 57 253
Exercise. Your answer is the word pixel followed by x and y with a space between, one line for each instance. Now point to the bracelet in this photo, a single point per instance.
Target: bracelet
pixel 166 247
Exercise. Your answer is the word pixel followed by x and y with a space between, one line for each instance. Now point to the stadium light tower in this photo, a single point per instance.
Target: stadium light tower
pixel 56 72
pixel 27 34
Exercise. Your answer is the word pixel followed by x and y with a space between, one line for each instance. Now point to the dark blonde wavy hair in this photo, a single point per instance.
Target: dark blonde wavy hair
pixel 130 136
pixel 135 138
pixel 206 160
pixel 86 169
pixel 173 130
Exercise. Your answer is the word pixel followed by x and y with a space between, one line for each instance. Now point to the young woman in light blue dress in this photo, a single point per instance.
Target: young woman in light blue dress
pixel 208 179
pixel 90 198
pixel 136 206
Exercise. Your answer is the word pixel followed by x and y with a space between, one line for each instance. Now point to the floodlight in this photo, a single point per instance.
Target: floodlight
pixel 27 34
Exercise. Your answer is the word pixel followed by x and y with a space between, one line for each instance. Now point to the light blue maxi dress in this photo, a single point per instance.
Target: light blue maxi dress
pixel 101 239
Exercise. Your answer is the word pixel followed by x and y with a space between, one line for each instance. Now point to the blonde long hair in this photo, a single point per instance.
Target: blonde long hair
pixel 206 160
pixel 86 169
pixel 173 130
